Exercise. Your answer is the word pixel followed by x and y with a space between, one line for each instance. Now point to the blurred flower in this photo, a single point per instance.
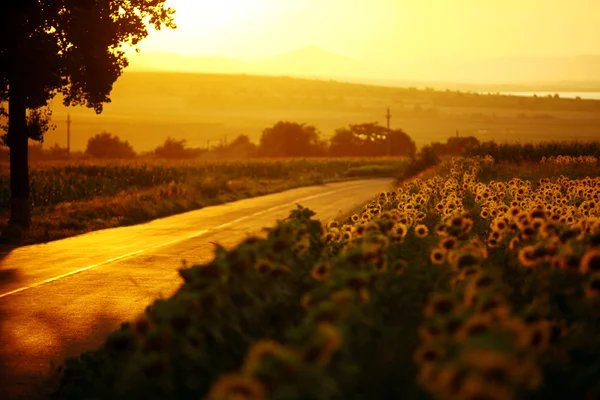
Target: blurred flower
pixel 236 387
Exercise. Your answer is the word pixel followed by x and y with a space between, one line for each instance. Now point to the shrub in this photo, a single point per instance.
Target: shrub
pixel 105 145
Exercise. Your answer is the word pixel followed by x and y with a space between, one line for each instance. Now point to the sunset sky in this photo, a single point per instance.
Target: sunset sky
pixel 382 30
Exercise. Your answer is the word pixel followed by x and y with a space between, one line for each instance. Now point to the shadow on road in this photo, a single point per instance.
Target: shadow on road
pixel 34 345
pixel 9 275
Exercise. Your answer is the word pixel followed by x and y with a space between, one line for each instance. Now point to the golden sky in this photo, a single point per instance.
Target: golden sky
pixel 382 30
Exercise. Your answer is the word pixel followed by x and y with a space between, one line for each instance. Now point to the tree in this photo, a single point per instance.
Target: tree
pixel 172 149
pixel 371 139
pixel 345 143
pixel 105 145
pixel 291 139
pixel 71 47
pixel 242 146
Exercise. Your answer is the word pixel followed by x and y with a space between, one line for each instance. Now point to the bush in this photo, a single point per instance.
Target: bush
pixel 105 145
pixel 175 149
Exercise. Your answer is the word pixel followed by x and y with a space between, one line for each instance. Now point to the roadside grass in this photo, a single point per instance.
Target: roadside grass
pixel 71 199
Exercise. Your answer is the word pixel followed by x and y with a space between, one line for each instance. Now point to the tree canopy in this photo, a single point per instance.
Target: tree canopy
pixel 291 139
pixel 105 145
pixel 71 47
pixel 371 139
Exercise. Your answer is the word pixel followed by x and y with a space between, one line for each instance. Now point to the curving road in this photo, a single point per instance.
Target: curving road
pixel 62 298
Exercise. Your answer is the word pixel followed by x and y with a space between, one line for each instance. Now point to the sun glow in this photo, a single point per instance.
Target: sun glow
pixel 222 14
pixel 383 32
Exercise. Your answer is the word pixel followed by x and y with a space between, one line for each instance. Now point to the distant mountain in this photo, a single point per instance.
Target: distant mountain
pixel 312 61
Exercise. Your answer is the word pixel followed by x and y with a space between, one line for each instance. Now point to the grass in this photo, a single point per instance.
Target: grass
pixel 74 198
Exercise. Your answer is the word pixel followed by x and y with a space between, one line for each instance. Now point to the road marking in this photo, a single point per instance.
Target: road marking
pixel 72 273
pixel 194 235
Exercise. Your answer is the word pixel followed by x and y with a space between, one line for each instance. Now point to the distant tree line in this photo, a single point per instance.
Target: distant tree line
pixel 283 139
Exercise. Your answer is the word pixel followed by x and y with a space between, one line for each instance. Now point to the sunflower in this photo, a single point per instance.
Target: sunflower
pixel 440 305
pixel 494 305
pixel 513 243
pixel 263 265
pixel 527 257
pixel 421 231
pixel 437 256
pixel 590 262
pixel 428 353
pixel 238 387
pixel 569 262
pixel 400 229
pixel 451 380
pixel 260 350
pixel 430 329
pixel 398 267
pixel 307 302
pixel 327 341
pixel 536 336
pixel 477 387
pixel 321 271
pixel 478 324
pixel 448 243
pixel 493 365
pixel 465 259
pixel 479 283
pixel 592 287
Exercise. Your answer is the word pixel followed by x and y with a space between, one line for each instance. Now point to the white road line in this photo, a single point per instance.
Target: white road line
pixel 200 233
pixel 71 273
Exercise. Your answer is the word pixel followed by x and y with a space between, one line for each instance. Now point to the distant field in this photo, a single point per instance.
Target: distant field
pixel 205 109
pixel 70 198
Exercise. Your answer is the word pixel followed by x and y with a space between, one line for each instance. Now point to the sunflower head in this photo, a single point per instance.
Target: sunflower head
pixel 238 387
pixel 441 305
pixel 590 262
pixel 421 230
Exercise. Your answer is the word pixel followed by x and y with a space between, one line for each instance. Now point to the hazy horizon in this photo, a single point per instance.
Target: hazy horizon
pixel 385 38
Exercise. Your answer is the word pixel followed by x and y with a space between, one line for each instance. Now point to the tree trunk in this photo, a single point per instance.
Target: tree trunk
pixel 20 207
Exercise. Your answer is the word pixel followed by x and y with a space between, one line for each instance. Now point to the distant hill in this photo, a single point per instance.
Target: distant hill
pixel 170 62
pixel 579 73
pixel 313 61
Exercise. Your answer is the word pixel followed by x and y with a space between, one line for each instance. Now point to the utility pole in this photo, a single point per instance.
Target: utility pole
pixel 69 135
pixel 388 116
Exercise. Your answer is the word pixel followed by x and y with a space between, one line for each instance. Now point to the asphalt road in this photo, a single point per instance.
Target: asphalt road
pixel 62 298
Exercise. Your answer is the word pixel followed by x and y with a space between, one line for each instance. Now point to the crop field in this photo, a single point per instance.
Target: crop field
pixel 75 197
pixel 146 107
pixel 467 285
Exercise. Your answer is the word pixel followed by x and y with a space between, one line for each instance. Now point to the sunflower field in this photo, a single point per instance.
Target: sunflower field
pixel 453 287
